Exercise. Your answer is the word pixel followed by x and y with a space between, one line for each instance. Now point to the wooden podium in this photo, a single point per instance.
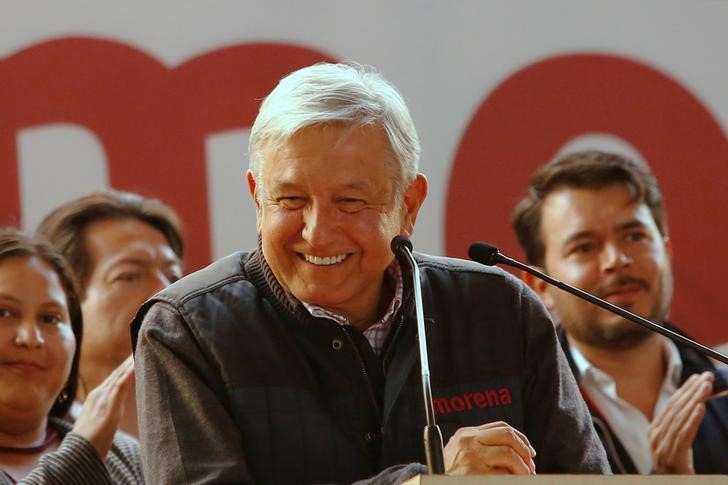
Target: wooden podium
pixel 569 480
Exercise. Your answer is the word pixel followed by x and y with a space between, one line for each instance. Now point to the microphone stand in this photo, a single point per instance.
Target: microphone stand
pixel 432 435
pixel 490 255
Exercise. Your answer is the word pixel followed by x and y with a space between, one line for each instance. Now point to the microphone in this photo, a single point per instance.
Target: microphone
pixel 490 255
pixel 399 244
pixel 402 249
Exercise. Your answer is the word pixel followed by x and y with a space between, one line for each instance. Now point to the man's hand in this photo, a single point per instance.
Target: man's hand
pixel 104 406
pixel 490 448
pixel 672 432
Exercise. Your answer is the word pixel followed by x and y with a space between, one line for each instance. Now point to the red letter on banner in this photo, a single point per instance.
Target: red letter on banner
pixel 536 111
pixel 152 120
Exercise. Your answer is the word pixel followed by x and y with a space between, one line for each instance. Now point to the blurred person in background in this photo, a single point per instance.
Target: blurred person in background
pixel 40 341
pixel 124 248
pixel 596 220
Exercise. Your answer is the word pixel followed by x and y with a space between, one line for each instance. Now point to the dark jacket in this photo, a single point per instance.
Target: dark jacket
pixel 238 382
pixel 710 448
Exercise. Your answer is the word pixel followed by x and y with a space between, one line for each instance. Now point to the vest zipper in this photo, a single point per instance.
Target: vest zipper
pixel 364 372
pixel 396 330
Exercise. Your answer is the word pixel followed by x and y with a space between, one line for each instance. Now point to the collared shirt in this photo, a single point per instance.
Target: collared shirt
pixel 628 422
pixel 376 333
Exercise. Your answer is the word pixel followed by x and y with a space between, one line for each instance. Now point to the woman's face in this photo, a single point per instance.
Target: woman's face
pixel 36 341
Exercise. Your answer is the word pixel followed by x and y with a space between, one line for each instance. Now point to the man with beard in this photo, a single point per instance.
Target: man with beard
pixel 596 220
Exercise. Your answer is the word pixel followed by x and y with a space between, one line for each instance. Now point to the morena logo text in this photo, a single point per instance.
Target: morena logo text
pixel 467 401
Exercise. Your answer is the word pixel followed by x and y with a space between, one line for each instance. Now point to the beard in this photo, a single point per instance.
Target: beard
pixel 619 336
pixel 618 333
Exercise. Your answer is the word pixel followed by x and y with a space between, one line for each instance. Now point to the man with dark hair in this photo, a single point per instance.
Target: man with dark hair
pixel 123 248
pixel 596 220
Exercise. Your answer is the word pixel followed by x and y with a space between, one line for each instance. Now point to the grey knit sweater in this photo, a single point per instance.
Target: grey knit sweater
pixel 77 462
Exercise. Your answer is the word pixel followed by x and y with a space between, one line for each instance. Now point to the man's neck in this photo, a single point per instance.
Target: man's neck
pixel 369 312
pixel 383 302
pixel 638 372
pixel 92 374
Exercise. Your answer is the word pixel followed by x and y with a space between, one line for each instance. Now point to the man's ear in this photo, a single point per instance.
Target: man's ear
pixel 414 196
pixel 252 186
pixel 253 189
pixel 540 287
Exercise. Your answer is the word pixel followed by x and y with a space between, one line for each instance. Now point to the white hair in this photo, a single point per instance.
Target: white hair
pixel 326 93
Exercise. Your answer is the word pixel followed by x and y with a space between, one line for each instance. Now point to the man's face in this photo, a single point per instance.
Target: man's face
pixel 601 241
pixel 130 261
pixel 328 213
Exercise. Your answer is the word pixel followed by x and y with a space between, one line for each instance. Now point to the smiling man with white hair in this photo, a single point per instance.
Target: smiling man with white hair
pixel 296 362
